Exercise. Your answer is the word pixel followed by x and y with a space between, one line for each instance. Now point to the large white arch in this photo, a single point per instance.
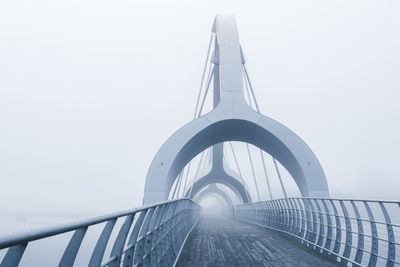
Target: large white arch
pixel 233 120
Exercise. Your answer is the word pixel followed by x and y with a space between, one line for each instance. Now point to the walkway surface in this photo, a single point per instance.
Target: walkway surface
pixel 218 241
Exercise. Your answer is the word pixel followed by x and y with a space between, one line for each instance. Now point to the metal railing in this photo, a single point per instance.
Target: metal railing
pixel 353 232
pixel 156 236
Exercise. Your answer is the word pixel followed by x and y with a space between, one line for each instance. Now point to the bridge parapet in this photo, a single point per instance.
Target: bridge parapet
pixel 156 236
pixel 353 232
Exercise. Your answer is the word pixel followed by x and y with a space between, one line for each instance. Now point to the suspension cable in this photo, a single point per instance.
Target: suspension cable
pixel 195 176
pixel 265 172
pixel 178 184
pixel 248 82
pixel 197 103
pixel 211 74
pixel 251 88
pixel 187 177
pixel 279 176
pixel 236 161
pixel 171 195
pixel 252 170
pixel 206 158
pixel 203 74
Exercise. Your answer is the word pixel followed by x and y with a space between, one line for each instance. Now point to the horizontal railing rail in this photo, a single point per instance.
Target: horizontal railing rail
pixel 352 231
pixel 155 236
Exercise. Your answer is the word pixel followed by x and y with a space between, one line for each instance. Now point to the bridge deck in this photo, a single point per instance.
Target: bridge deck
pixel 218 241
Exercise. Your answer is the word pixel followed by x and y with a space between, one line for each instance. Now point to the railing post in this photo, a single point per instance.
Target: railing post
pixel 285 214
pixel 328 241
pixel 309 230
pixel 314 223
pixel 276 214
pixel 338 235
pixel 119 243
pixel 13 256
pixel 347 248
pixel 297 223
pixel 139 250
pixel 321 233
pixel 149 237
pixel 303 231
pixel 292 215
pixel 70 252
pixel 270 215
pixel 98 252
pixel 156 252
pixel 129 253
pixel 373 258
pixel 391 242
pixel 360 230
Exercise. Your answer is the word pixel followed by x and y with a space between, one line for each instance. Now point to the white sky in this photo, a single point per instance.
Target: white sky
pixel 89 90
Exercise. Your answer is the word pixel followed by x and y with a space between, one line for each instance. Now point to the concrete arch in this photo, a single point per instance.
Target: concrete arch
pixel 216 176
pixel 233 120
pixel 213 189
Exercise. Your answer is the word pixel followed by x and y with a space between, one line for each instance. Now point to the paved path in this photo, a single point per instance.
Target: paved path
pixel 218 241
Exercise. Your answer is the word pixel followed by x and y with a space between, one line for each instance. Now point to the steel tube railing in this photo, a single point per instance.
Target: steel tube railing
pixel 351 231
pixel 155 237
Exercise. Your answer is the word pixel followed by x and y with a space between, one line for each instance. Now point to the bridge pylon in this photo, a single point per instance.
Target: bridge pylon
pixel 232 119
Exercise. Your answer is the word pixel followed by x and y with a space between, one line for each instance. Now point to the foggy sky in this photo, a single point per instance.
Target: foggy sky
pixel 89 90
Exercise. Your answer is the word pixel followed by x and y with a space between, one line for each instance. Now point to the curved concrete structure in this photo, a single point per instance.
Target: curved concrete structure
pixel 214 190
pixel 220 174
pixel 233 120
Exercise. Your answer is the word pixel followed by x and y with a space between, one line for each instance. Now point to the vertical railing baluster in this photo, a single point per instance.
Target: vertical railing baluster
pixel 328 240
pixel 287 214
pixel 129 253
pixel 98 252
pixel 374 233
pixel 170 236
pixel 296 212
pixel 270 214
pixel 265 213
pixel 338 235
pixel 156 247
pixel 149 237
pixel 360 230
pixel 348 244
pixel 303 231
pixel 321 233
pixel 138 256
pixel 309 229
pixel 314 223
pixel 72 249
pixel 116 251
pixel 276 214
pixel 13 256
pixel 167 260
pixel 292 214
pixel 281 214
pixel 391 242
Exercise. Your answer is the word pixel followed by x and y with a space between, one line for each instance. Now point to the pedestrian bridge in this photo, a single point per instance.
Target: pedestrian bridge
pixel 254 228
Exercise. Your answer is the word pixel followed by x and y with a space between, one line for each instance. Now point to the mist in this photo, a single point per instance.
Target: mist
pixel 89 90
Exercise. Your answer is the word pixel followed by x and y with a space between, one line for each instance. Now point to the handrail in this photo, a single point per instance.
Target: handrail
pixel 347 230
pixel 155 235
pixel 8 241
